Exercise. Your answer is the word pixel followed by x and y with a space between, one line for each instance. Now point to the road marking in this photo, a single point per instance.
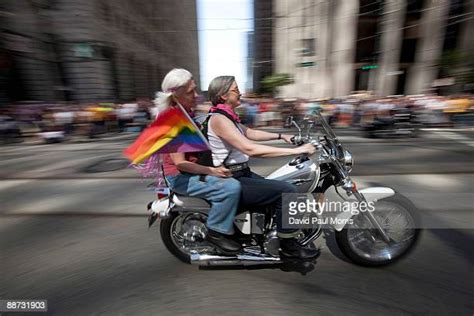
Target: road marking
pixel 456 137
pixel 71 164
pixel 444 129
pixel 8 184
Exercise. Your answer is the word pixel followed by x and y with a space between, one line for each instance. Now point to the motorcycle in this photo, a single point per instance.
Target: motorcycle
pixel 401 123
pixel 374 238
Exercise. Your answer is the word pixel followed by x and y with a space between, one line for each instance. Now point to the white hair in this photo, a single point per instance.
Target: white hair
pixel 173 80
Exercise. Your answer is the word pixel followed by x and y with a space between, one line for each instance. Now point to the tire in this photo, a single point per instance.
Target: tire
pixel 344 241
pixel 165 232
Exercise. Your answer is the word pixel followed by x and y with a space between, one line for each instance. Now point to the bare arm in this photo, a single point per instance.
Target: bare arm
pixel 256 135
pixel 190 167
pixel 223 127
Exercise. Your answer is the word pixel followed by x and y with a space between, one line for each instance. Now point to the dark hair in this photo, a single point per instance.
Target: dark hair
pixel 218 87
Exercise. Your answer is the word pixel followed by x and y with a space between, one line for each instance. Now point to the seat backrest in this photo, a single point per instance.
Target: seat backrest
pixel 189 202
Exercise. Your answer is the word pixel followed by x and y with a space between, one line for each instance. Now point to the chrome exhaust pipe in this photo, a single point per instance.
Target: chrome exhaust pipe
pixel 196 257
pixel 241 259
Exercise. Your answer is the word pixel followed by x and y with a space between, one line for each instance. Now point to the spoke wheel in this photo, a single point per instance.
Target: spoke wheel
pixel 364 245
pixel 184 234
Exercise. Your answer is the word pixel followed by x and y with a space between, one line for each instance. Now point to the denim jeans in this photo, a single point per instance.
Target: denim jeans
pixel 257 190
pixel 222 193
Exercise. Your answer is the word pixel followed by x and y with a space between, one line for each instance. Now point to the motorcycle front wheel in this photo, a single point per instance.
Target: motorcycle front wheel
pixel 362 243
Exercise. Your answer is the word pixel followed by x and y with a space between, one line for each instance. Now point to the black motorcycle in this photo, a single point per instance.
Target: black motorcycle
pixel 400 123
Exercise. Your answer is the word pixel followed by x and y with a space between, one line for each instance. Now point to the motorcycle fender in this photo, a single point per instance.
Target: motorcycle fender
pixel 189 204
pixel 160 207
pixel 371 195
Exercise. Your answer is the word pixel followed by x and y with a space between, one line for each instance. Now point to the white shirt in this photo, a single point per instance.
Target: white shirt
pixel 221 149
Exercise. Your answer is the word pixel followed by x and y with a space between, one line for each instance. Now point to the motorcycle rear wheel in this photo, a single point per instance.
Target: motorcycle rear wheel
pixel 184 232
pixel 363 244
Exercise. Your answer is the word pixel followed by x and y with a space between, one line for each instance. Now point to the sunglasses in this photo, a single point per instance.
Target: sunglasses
pixel 236 91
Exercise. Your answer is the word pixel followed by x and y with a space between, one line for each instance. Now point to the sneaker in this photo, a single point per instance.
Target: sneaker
pixel 290 248
pixel 226 245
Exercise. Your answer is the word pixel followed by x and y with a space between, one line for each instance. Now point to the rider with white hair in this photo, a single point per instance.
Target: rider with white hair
pixel 185 176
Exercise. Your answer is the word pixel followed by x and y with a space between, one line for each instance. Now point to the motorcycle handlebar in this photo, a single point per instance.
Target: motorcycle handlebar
pixel 297 140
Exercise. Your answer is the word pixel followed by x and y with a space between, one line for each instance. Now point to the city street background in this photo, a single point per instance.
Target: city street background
pixel 74 231
pixel 78 82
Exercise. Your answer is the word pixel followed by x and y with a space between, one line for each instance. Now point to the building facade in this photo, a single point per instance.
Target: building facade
pixel 332 48
pixel 263 42
pixel 94 50
pixel 250 61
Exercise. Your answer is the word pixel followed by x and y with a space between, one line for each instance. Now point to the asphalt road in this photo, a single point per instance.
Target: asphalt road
pixel 73 231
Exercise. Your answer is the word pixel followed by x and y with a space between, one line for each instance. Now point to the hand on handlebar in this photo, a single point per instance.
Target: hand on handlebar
pixel 287 138
pixel 306 149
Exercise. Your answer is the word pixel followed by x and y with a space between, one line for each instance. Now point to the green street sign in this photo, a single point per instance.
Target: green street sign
pixel 306 64
pixel 84 50
pixel 367 67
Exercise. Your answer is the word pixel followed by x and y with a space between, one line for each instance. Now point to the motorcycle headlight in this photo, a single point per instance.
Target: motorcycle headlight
pixel 348 160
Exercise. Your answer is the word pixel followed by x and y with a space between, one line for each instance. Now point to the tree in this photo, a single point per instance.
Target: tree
pixel 460 65
pixel 272 82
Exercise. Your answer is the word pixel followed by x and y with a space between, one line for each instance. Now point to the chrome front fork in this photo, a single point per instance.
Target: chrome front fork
pixel 372 218
pixel 350 188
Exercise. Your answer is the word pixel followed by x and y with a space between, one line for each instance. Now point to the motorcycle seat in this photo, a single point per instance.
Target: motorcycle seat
pixel 190 202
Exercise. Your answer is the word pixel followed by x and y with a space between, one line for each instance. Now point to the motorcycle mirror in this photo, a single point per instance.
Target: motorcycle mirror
pixel 296 125
pixel 309 125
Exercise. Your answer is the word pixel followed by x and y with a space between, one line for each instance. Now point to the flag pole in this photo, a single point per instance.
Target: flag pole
pixel 198 130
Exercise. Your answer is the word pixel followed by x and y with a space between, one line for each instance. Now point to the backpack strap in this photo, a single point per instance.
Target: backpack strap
pixel 219 111
pixel 206 123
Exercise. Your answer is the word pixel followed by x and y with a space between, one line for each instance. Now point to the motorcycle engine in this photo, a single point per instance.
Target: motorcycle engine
pixel 272 243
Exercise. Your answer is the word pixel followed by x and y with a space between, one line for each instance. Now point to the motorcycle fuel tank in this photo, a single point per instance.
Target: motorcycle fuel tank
pixel 304 175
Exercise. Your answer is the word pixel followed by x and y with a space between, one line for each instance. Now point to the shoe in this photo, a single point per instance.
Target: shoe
pixel 226 245
pixel 290 248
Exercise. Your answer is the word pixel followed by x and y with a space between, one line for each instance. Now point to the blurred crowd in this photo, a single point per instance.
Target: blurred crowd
pixel 357 111
pixel 61 121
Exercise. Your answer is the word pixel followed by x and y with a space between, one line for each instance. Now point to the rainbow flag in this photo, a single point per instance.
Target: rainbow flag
pixel 172 131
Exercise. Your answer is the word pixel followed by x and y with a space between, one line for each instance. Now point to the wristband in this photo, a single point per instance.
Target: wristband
pixel 279 135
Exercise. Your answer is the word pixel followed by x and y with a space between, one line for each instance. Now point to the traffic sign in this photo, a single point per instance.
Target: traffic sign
pixel 306 64
pixel 368 67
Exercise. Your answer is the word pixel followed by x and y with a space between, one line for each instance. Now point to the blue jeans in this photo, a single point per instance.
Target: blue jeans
pixel 222 193
pixel 257 190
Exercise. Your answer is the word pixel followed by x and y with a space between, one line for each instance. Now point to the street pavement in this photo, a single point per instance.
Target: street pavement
pixel 73 230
